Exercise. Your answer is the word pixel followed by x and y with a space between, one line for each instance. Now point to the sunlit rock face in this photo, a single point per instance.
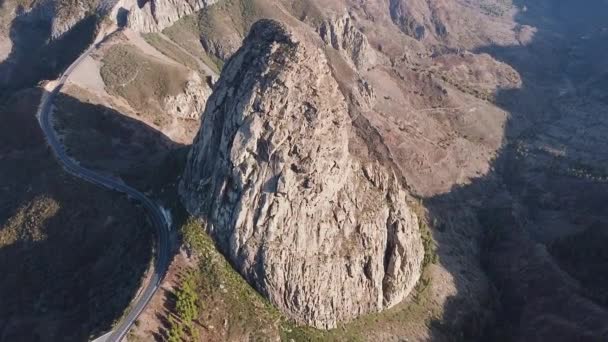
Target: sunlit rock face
pixel 322 233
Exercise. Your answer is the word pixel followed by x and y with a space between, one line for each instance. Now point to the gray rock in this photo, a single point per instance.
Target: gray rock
pixel 156 15
pixel 191 102
pixel 325 235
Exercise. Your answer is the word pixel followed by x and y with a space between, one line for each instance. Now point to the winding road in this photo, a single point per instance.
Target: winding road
pixel 45 111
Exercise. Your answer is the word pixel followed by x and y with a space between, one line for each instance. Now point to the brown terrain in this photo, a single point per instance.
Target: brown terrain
pixel 490 112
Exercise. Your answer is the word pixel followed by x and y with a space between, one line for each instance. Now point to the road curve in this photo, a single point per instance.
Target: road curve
pixel 155 214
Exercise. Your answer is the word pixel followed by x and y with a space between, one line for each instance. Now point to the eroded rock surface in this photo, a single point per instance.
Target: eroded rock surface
pixel 325 234
pixel 155 15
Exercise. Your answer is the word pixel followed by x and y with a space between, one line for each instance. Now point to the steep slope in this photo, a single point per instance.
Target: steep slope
pixel 155 15
pixel 325 234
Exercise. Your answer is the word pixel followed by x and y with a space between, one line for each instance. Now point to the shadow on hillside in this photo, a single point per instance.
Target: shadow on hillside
pixel 106 140
pixel 71 254
pixel 35 56
pixel 545 288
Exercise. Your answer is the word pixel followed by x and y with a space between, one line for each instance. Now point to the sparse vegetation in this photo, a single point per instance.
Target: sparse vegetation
pixel 493 9
pixel 219 286
pixel 168 49
pixel 143 82
pixel 81 250
pixel 581 170
pixel 586 248
pixel 242 13
pixel 479 93
pixel 249 314
pixel 430 250
pixel 219 27
pixel 186 310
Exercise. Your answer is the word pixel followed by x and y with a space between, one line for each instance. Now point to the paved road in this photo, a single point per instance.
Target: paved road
pixel 154 211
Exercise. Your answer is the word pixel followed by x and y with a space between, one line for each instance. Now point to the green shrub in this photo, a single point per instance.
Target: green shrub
pixel 186 309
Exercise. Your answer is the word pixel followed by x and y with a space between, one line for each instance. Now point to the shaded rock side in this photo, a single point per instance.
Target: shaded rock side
pixel 324 235
pixel 457 24
pixel 419 18
pixel 38 39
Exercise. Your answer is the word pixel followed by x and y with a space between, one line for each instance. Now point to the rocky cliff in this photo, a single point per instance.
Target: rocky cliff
pixel 325 233
pixel 341 34
pixel 155 15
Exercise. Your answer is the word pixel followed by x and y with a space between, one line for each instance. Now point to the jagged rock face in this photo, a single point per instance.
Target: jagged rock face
pixel 156 15
pixel 191 103
pixel 325 235
pixel 343 36
pixel 364 96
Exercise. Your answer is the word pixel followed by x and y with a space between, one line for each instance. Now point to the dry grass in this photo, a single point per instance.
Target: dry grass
pixel 140 80
pixel 220 28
